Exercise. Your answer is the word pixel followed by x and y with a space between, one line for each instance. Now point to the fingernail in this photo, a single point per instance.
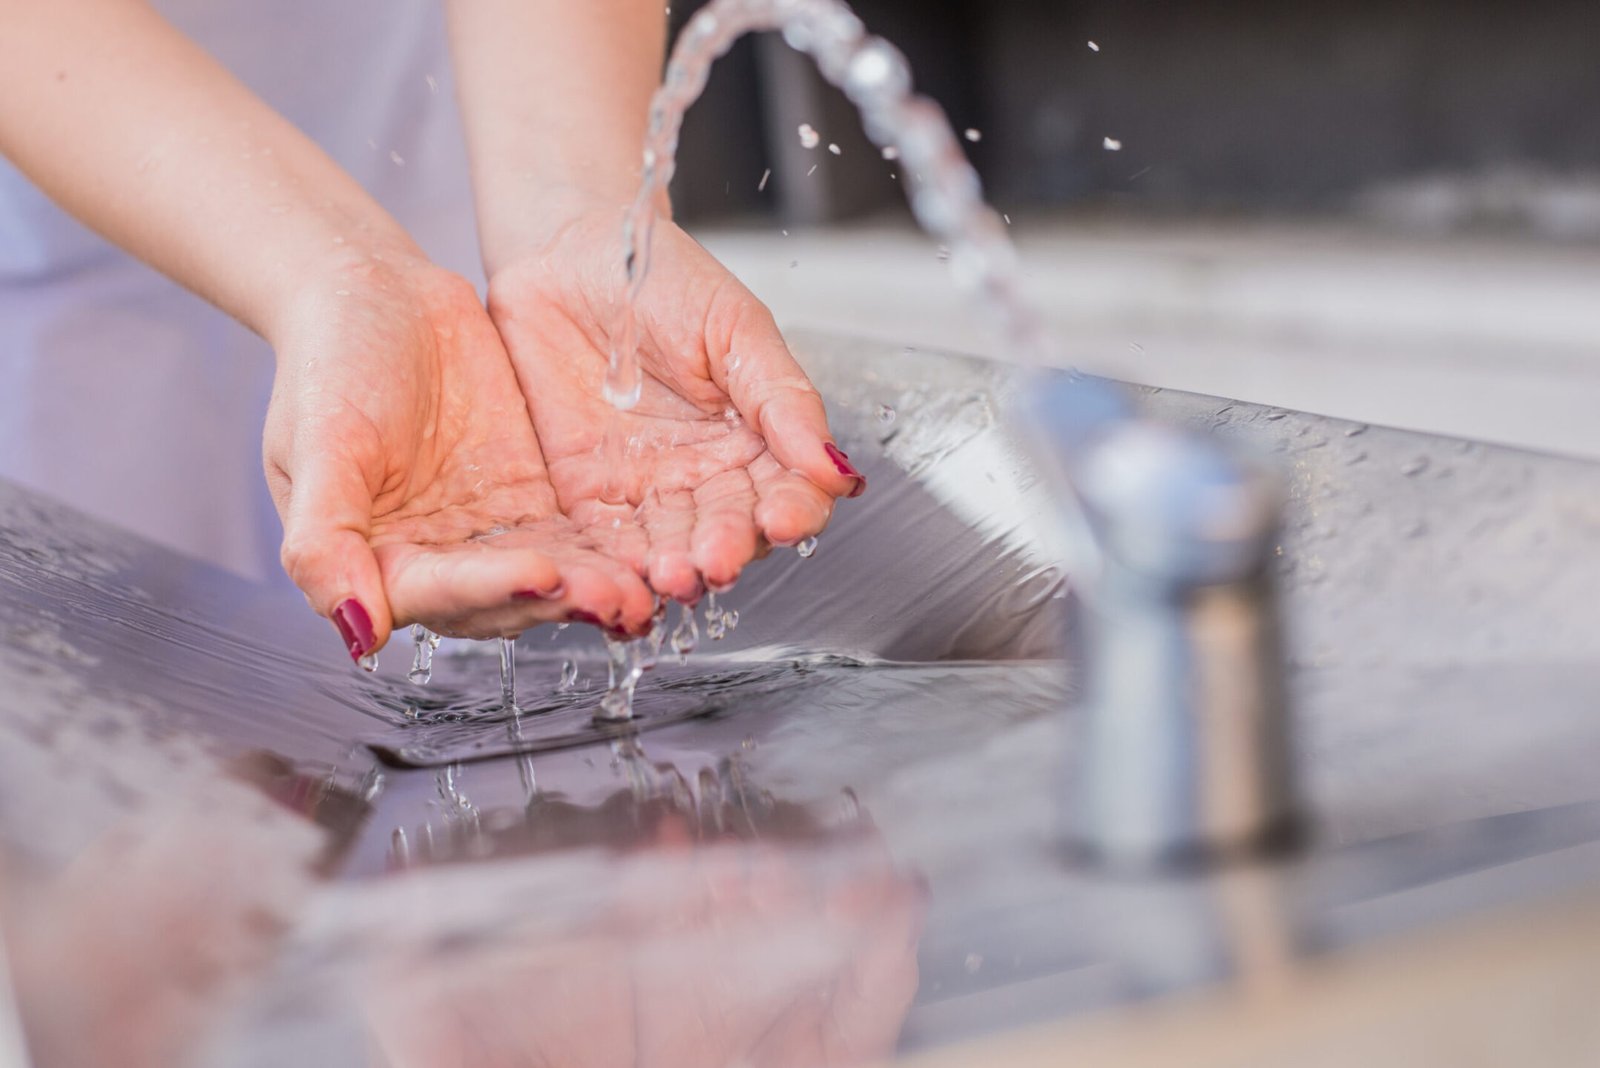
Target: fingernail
pixel 551 594
pixel 841 461
pixel 355 627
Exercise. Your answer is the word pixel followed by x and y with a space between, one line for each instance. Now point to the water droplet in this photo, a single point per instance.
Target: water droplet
pixel 890 152
pixel 834 149
pixel 569 676
pixel 806 547
pixel 1414 466
pixel 508 674
pixel 1093 47
pixel 1111 144
pixel 973 134
pixel 808 136
pixel 369 663
pixel 761 185
pixel 396 158
pixel 886 415
pixel 424 642
pixel 812 171
pixel 686 635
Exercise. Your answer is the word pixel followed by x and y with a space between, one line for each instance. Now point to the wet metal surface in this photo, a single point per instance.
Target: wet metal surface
pixel 839 836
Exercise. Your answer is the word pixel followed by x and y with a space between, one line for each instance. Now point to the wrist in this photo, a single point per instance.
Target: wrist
pixel 546 212
pixel 349 270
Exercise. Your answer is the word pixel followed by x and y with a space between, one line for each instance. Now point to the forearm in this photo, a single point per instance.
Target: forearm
pixel 132 128
pixel 554 96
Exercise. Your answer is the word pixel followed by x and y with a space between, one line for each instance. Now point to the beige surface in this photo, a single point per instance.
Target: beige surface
pixel 1516 990
pixel 1485 338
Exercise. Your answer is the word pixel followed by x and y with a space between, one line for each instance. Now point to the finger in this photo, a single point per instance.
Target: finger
pixel 327 514
pixel 724 537
pixel 789 507
pixel 669 521
pixel 774 395
pixel 447 584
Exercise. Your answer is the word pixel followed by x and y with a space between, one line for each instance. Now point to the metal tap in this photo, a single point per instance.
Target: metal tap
pixel 1182 754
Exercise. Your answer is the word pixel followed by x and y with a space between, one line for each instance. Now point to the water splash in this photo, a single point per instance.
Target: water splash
pixel 623 660
pixel 719 620
pixel 424 643
pixel 945 193
pixel 686 635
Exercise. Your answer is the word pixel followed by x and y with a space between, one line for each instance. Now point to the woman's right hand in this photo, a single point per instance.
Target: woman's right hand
pixel 404 466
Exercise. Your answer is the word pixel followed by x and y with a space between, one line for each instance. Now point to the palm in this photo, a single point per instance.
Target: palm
pixel 411 434
pixel 724 452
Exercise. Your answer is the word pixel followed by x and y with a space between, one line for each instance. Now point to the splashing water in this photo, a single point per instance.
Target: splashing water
pixel 424 643
pixel 686 635
pixel 623 657
pixel 569 676
pixel 945 193
pixel 508 674
pixel 807 547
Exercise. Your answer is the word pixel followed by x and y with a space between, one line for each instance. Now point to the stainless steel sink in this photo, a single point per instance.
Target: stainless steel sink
pixel 835 832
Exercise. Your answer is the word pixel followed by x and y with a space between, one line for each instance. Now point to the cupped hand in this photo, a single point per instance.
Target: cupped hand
pixel 400 455
pixel 726 452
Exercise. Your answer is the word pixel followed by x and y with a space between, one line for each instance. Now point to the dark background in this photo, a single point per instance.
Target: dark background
pixel 1232 106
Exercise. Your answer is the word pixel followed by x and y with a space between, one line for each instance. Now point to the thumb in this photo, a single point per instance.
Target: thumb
pixel 774 395
pixel 327 514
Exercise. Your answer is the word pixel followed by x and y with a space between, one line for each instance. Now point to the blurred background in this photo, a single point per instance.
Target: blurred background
pixel 1383 212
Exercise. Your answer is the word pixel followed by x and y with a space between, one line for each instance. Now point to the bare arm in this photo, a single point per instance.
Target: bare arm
pixel 139 133
pixel 554 96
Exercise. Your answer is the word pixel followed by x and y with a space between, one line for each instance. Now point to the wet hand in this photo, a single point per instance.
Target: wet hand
pixel 727 451
pixel 401 458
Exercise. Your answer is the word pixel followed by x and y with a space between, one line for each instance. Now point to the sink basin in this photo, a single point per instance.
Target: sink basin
pixel 832 835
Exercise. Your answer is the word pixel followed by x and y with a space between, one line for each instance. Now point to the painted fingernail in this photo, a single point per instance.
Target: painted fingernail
pixel 355 627
pixel 551 594
pixel 841 461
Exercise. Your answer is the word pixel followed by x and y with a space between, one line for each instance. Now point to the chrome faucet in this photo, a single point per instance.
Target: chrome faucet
pixel 1182 755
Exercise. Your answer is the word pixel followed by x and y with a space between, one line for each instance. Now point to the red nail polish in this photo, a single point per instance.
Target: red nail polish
pixel 841 461
pixel 355 627
pixel 553 593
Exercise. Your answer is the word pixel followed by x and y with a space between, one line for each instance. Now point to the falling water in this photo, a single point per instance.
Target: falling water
pixel 944 190
pixel 508 674
pixel 945 193
pixel 424 644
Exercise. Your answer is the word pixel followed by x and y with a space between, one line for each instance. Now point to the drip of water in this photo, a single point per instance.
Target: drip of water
pixel 424 643
pixel 623 657
pixel 719 620
pixel 569 676
pixel 806 547
pixel 369 663
pixel 508 674
pixel 686 635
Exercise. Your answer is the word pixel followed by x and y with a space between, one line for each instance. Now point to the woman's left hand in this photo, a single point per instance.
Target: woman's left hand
pixel 728 449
